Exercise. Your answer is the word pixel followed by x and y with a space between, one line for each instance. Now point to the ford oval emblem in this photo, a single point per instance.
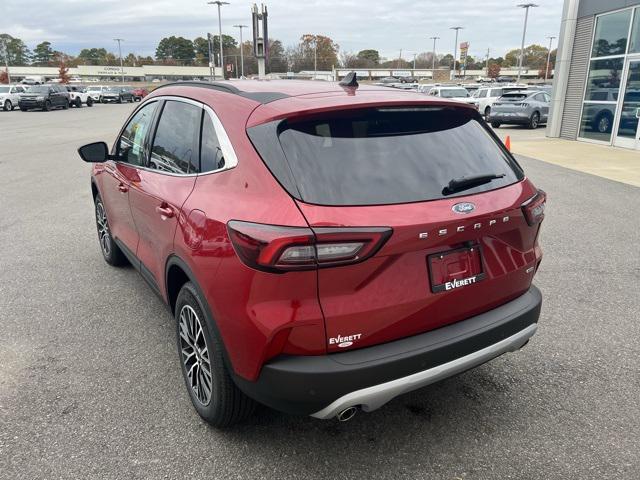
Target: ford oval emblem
pixel 464 207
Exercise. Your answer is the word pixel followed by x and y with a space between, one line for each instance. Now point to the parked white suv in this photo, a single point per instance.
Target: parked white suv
pixel 452 92
pixel 10 95
pixel 95 91
pixel 79 95
pixel 485 97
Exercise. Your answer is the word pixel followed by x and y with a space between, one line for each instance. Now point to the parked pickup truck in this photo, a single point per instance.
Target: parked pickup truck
pixel 78 96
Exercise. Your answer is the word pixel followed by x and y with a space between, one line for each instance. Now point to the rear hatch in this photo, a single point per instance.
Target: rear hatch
pixel 511 102
pixel 432 196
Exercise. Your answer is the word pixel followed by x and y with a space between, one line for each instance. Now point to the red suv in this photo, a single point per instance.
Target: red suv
pixel 323 247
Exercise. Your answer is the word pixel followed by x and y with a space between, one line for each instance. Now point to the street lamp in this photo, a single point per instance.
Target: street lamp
pixel 455 51
pixel 433 63
pixel 241 54
pixel 120 55
pixel 219 4
pixel 526 7
pixel 546 72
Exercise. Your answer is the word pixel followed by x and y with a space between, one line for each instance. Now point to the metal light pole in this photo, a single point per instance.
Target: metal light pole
pixel 219 4
pixel 315 57
pixel 120 55
pixel 546 71
pixel 526 7
pixel 414 62
pixel 241 54
pixel 433 63
pixel 455 51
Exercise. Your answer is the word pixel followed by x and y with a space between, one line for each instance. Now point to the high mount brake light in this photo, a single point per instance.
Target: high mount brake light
pixel 277 249
pixel 533 209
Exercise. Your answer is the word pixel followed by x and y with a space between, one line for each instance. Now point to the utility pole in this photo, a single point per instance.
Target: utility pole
pixel 433 62
pixel 315 56
pixel 241 54
pixel 486 65
pixel 546 71
pixel 526 7
pixel 120 55
pixel 212 63
pixel 219 4
pixel 414 62
pixel 399 59
pixel 455 51
pixel 5 52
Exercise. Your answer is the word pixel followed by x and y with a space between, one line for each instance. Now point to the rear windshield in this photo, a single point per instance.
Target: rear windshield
pixel 454 93
pixel 384 156
pixel 515 96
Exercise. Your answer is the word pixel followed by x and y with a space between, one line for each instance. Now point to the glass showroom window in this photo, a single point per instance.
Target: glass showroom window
pixel 605 75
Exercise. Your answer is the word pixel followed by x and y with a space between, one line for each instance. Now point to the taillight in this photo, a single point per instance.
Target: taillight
pixel 533 208
pixel 275 248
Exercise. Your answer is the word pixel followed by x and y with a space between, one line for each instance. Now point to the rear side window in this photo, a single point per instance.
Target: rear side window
pixel 176 145
pixel 211 157
pixel 386 156
pixel 482 93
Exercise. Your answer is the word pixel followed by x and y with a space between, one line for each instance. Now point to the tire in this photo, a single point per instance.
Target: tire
pixel 199 344
pixel 65 105
pixel 89 102
pixel 23 109
pixel 47 106
pixel 495 124
pixel 8 106
pixel 603 123
pixel 110 251
pixel 119 100
pixel 78 102
pixel 487 113
pixel 102 100
pixel 534 121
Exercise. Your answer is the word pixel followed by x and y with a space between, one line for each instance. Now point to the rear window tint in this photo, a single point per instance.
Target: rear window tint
pixel 384 156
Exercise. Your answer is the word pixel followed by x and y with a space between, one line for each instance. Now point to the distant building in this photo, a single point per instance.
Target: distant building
pixel 596 95
pixel 105 73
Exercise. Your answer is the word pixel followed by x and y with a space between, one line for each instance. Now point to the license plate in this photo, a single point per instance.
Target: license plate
pixel 455 269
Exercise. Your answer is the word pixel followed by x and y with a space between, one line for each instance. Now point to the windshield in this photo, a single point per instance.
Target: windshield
pixel 112 89
pixel 384 156
pixel 39 89
pixel 4 89
pixel 454 93
pixel 94 89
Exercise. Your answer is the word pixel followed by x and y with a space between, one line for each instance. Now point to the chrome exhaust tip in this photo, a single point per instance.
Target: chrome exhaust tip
pixel 347 414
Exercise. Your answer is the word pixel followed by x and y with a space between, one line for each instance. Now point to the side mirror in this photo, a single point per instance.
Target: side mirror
pixel 96 152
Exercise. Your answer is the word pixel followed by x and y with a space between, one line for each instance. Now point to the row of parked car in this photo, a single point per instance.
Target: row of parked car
pixel 500 104
pixel 55 95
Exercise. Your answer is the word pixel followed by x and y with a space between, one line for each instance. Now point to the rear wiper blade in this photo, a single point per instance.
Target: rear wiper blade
pixel 465 183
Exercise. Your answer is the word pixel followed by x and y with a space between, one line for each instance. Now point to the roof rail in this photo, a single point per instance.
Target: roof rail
pixel 223 87
pixel 260 97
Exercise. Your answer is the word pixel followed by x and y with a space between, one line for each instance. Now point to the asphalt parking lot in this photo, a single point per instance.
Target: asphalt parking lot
pixel 90 385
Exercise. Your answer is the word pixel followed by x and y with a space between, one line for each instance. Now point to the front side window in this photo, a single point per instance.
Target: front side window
pixel 176 143
pixel 611 34
pixel 130 146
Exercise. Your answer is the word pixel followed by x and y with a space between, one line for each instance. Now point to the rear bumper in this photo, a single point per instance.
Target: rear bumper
pixel 516 118
pixel 322 386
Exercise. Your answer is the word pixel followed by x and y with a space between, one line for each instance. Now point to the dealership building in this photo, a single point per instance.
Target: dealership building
pixel 596 94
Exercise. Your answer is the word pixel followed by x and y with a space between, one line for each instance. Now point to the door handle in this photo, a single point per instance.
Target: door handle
pixel 165 211
pixel 123 188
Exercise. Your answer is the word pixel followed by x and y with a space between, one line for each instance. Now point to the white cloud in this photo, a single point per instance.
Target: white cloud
pixel 386 25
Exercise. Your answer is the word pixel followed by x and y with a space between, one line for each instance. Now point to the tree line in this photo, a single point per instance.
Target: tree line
pixel 311 52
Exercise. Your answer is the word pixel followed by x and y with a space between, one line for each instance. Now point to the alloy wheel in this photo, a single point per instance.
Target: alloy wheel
pixel 195 355
pixel 104 236
pixel 603 125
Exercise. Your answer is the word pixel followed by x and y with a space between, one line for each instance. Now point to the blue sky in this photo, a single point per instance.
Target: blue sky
pixel 387 26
